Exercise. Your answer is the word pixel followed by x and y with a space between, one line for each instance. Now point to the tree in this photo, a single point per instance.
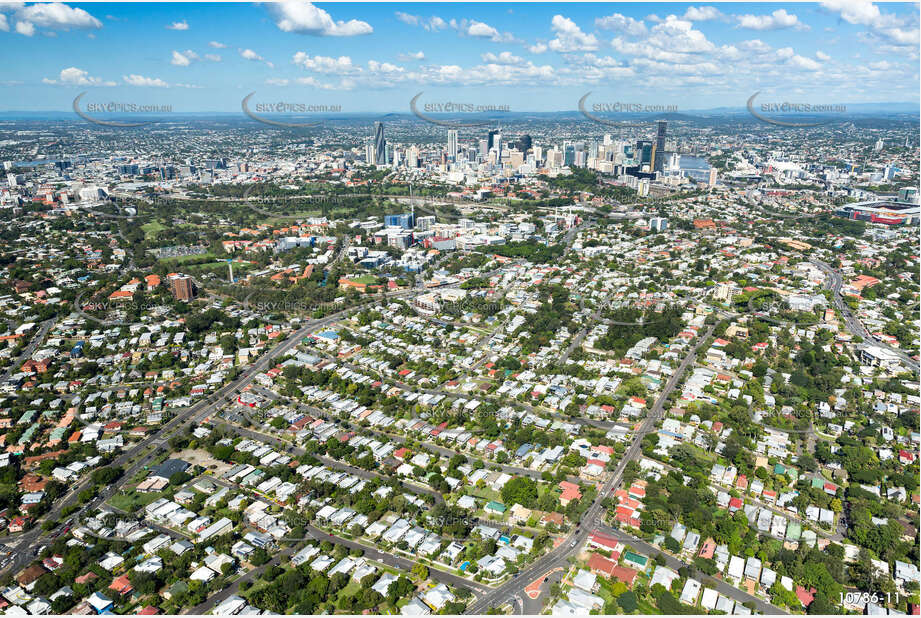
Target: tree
pixel 521 490
pixel 420 570
pixel 627 602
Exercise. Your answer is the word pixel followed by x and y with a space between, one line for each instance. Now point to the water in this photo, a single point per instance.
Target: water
pixel 694 167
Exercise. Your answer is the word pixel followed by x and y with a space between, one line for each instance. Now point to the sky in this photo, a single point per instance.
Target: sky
pixel 363 57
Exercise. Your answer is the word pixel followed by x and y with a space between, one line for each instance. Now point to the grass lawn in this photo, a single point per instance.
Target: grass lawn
pixel 365 279
pixel 151 229
pixel 181 259
pixel 131 500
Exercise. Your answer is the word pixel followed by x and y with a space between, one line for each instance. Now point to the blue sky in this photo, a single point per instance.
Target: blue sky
pixel 531 57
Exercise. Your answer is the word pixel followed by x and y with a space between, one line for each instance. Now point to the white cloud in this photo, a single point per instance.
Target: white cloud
pixel 480 30
pixel 276 81
pixel 249 54
pixel 537 48
pixel 77 77
pixel 822 56
pixel 411 56
pixel 213 57
pixel 324 64
pixel 344 84
pixel 55 16
pixel 180 60
pixel 805 63
pixel 140 80
pixel 303 17
pixel 703 13
pixel 384 67
pixel 432 24
pixel 217 45
pixel 503 58
pixel 569 37
pixel 777 20
pixel 178 25
pixel 4 25
pixel 25 28
pixel 621 23
pixel 406 18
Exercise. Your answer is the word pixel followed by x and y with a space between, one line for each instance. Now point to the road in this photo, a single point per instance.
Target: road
pixel 46 327
pixel 145 451
pixel 720 586
pixel 559 557
pixel 834 282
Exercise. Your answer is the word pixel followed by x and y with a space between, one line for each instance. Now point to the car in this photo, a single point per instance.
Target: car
pixel 546 579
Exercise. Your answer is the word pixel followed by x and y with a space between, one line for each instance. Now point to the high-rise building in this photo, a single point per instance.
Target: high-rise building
pixel 712 181
pixel 658 148
pixel 183 288
pixel 452 142
pixel 658 224
pixel 524 144
pixel 491 139
pixel 380 144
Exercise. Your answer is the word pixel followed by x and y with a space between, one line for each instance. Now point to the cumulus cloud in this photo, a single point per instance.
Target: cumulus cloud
pixel 885 26
pixel 502 58
pixel 180 59
pixel 703 13
pixel 304 18
pixel 777 20
pixel 49 16
pixel 537 48
pixel 411 56
pixel 178 25
pixel 569 37
pixel 323 64
pixel 248 54
pixel 77 77
pixel 146 82
pixel 217 45
pixel 621 23
pixel 822 56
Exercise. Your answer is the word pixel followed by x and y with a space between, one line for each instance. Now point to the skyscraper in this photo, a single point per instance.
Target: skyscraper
pixel 452 142
pixel 491 139
pixel 524 143
pixel 658 148
pixel 380 144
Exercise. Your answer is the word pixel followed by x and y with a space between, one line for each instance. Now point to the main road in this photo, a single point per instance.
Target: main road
pixel 143 452
pixel 834 282
pixel 593 516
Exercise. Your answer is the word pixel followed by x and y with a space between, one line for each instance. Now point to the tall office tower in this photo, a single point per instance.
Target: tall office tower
pixel 524 143
pixel 879 145
pixel 452 142
pixel 569 154
pixel 712 179
pixel 484 147
pixel 380 144
pixel 658 149
pixel 369 153
pixel 643 154
pixel 538 153
pixel 491 139
pixel 608 140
